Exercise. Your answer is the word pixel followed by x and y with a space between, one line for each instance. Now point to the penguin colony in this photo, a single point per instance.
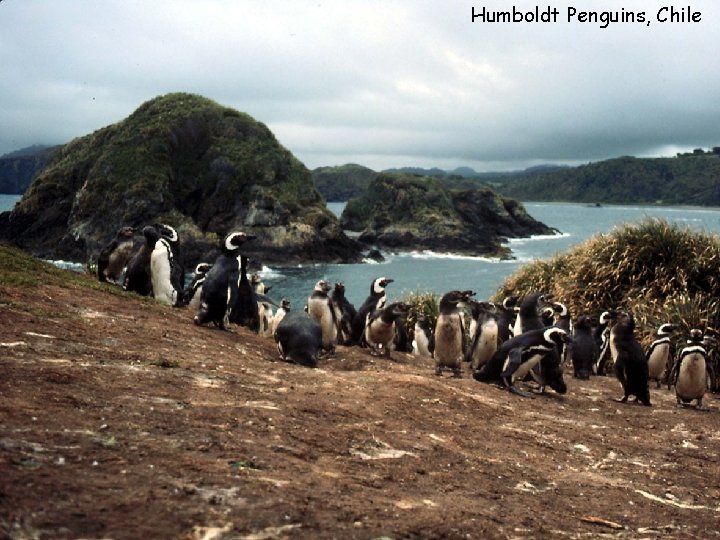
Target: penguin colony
pixel 521 340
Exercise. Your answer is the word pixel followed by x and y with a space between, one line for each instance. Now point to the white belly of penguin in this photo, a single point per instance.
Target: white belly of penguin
pixel 528 367
pixel 195 300
pixel 380 333
pixel 448 342
pixel 487 345
pixel 691 381
pixel 421 344
pixel 658 361
pixel 163 291
pixel 320 311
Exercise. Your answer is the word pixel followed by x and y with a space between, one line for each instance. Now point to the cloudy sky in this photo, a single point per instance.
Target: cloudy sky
pixel 383 83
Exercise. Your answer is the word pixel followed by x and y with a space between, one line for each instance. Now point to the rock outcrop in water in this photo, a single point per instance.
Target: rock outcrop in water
pixel 408 212
pixel 187 161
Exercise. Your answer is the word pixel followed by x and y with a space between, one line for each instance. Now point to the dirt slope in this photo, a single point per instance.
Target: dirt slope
pixel 121 419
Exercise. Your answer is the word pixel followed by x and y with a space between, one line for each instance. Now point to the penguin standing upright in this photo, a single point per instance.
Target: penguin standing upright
pixel 221 281
pixel 137 276
pixel 450 334
pixel 283 310
pixel 690 372
pixel 320 308
pixel 631 367
pixel 161 268
pixel 584 351
pixel 485 339
pixel 529 315
pixel 170 235
pixel 375 300
pixel 191 295
pixel 423 344
pixel 344 313
pixel 244 309
pixel 265 313
pixel 659 353
pixel 562 319
pixel 382 326
pixel 602 339
pixel 506 318
pixel 115 256
pixel 519 356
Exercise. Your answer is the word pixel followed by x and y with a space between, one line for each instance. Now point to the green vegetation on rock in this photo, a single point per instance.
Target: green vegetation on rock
pixel 341 183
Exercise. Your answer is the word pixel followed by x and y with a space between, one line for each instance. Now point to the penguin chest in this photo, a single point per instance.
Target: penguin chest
pixel 422 343
pixel 279 315
pixel 657 361
pixel 320 310
pixel 692 380
pixel 160 270
pixel 118 259
pixel 486 345
pixel 448 340
pixel 380 333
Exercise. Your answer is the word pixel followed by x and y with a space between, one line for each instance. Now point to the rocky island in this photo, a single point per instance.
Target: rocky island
pixel 407 212
pixel 187 161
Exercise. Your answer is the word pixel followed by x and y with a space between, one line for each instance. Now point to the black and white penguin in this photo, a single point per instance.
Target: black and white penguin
pixel 283 310
pixel 584 351
pixel 137 276
pixel 602 339
pixel 506 318
pixel 659 353
pixel 382 326
pixel 344 313
pixel 521 354
pixel 450 334
pixel 178 270
pixel 547 316
pixel 220 281
pixel 529 314
pixel 423 341
pixel 690 372
pixel 485 338
pixel 562 319
pixel 265 313
pixel 631 367
pixel 320 308
pixel 244 309
pixel 299 338
pixel 376 300
pixel 162 262
pixel 114 257
pixel 191 295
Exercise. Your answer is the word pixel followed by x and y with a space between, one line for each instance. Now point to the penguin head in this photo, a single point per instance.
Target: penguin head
pixel 452 298
pixel 556 336
pixel 666 329
pixel 255 279
pixel 322 286
pixel 340 288
pixel 547 314
pixel 585 322
pixel 202 269
pixel 151 235
pixel 167 232
pixel 560 308
pixel 696 336
pixel 608 316
pixel 285 304
pixel 378 286
pixel 234 240
pixel 126 233
pixel 400 309
pixel 509 302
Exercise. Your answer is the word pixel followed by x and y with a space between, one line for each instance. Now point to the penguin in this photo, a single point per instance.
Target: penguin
pixel 220 281
pixel 584 350
pixel 299 339
pixel 713 362
pixel 402 341
pixel 450 334
pixel 690 372
pixel 529 314
pixel 422 337
pixel 283 310
pixel 320 308
pixel 602 339
pixel 161 268
pixel 177 276
pixel 506 318
pixel 659 353
pixel 631 367
pixel 562 319
pixel 265 313
pixel 376 300
pixel 114 257
pixel 137 276
pixel 244 309
pixel 382 326
pixel 547 316
pixel 485 339
pixel 520 354
pixel 191 295
pixel 344 313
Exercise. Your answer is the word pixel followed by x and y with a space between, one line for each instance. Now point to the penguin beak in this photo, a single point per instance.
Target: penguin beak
pixel 386 282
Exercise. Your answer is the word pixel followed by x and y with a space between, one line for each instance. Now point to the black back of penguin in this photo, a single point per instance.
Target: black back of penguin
pixel 299 338
pixel 244 303
pixel 137 275
pixel 631 367
pixel 584 349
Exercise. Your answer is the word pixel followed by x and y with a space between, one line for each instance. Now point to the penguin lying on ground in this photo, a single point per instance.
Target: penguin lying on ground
pixel 115 256
pixel 382 326
pixel 423 340
pixel 520 354
pixel 320 308
pixel 375 300
pixel 659 353
pixel 690 372
pixel 631 367
pixel 485 338
pixel 450 333
pixel 299 338
pixel 283 310
pixel 221 282
pixel 137 276
pixel 584 350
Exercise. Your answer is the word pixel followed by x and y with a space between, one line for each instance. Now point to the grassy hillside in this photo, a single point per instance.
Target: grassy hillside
pixel 341 183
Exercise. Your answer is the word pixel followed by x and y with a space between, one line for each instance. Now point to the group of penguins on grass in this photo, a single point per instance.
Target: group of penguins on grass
pixel 531 339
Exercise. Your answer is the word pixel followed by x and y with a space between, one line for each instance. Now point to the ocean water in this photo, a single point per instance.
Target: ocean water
pixel 439 273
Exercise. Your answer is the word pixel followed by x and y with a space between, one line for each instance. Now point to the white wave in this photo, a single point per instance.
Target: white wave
pixel 68 265
pixel 269 273
pixel 536 238
pixel 428 254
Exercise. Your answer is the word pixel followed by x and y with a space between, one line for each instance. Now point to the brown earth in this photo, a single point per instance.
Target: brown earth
pixel 121 419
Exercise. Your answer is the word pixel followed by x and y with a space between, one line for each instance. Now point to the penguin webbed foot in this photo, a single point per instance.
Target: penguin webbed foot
pixel 515 390
pixel 622 399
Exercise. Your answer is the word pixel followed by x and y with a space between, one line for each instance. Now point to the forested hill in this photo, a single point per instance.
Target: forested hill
pixel 686 179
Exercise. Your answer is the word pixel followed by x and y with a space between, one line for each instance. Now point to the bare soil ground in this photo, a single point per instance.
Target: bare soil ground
pixel 121 419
